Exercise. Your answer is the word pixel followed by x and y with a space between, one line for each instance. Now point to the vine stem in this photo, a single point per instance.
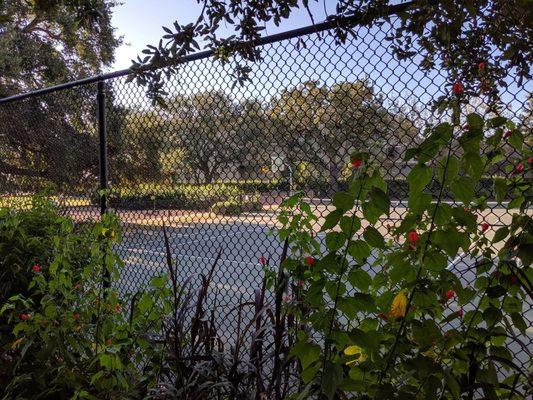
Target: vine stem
pixel 391 358
pixel 341 273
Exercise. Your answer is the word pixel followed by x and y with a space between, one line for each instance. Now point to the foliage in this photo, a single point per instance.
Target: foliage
pixel 180 196
pixel 237 206
pixel 449 35
pixel 69 336
pixel 198 364
pixel 393 321
pixel 43 43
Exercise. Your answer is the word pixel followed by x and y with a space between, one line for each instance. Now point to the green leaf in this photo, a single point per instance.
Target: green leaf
pixel 475 122
pixel 500 234
pixel 332 379
pixel 359 250
pixel 331 220
pixel 360 279
pixel 519 322
pixel 373 237
pixel 363 302
pixel 380 200
pixel 343 200
pixel 335 240
pixel 452 384
pixel 463 188
pixel 418 178
pixel 307 352
pixel 500 189
pixel 516 140
pixel 350 225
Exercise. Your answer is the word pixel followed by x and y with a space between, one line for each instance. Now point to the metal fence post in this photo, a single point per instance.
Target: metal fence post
pixel 103 145
pixel 102 160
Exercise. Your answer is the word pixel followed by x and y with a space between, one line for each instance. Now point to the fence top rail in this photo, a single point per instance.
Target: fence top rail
pixel 291 34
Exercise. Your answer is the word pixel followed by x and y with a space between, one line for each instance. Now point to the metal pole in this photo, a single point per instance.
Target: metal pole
pixel 102 161
pixel 103 145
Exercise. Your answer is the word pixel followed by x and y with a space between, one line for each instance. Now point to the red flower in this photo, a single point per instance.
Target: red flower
pixel 356 163
pixel 507 134
pixel 485 227
pixel 481 66
pixel 383 316
pixel 411 247
pixel 450 294
pixel 530 160
pixel 413 237
pixel 262 260
pixel 520 168
pixel 457 88
pixel 25 317
pixel 109 341
pixel 76 316
pixel 36 268
pixel 310 261
pixel 118 308
pixel 460 312
pixel 287 298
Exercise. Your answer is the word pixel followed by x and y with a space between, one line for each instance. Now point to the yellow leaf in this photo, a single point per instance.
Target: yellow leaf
pixel 16 343
pixel 352 351
pixel 399 306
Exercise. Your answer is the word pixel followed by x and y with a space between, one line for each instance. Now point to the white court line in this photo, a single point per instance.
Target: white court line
pixel 180 256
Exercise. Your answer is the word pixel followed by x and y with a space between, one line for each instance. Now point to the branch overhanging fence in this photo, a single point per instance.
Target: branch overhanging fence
pixel 214 165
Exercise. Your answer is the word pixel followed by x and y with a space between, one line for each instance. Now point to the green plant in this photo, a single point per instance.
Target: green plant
pixel 237 206
pixel 71 336
pixel 383 317
pixel 197 364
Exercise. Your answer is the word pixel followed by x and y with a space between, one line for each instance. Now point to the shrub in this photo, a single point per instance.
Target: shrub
pixel 237 206
pixel 69 336
pixel 382 316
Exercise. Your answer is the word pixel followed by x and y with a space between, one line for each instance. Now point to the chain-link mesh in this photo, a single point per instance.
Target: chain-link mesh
pixel 214 165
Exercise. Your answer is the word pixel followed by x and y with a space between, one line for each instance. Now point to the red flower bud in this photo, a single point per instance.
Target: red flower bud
pixel 76 316
pixel 25 317
pixel 507 134
pixel 109 342
pixel 356 163
pixel 383 316
pixel 413 237
pixel 530 160
pixel 287 298
pixel 485 227
pixel 457 88
pixel 450 294
pixel 481 66
pixel 460 312
pixel 520 168
pixel 262 260
pixel 36 268
pixel 118 308
pixel 310 261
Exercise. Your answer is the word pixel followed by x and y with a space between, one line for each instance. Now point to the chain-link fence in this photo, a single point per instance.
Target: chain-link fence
pixel 214 165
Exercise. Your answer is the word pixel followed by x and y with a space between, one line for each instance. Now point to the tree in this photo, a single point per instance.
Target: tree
pixel 323 125
pixel 208 131
pixel 456 36
pixel 52 138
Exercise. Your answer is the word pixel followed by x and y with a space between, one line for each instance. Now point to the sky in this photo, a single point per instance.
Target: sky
pixel 140 22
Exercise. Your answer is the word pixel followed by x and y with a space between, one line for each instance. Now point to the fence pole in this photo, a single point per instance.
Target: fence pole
pixel 102 159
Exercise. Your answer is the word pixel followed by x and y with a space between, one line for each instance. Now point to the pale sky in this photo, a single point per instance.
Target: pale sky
pixel 140 22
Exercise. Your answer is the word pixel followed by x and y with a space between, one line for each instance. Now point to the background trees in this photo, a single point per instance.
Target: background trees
pixel 43 43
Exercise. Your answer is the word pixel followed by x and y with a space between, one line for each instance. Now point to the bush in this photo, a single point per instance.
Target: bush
pixel 65 335
pixel 237 206
pixel 182 197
